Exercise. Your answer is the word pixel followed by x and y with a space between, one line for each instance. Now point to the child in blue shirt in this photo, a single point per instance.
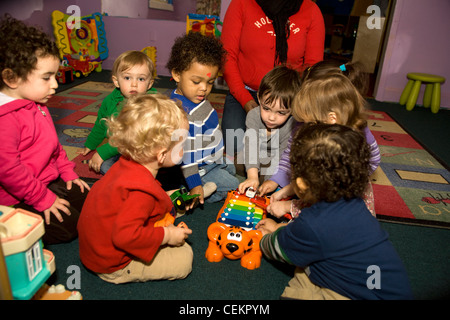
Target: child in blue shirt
pixel 195 62
pixel 338 247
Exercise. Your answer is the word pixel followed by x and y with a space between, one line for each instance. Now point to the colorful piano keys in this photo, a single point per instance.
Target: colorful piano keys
pixel 240 212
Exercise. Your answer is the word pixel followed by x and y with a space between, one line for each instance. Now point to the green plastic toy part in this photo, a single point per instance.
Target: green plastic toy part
pixel 182 197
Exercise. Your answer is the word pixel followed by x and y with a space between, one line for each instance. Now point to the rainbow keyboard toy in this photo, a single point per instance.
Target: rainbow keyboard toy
pixel 242 211
pixel 233 235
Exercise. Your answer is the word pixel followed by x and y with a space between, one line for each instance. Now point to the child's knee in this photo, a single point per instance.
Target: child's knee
pixel 231 169
pixel 183 266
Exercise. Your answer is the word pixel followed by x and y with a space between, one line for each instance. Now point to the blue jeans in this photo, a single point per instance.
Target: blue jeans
pixel 224 176
pixel 233 123
pixel 108 163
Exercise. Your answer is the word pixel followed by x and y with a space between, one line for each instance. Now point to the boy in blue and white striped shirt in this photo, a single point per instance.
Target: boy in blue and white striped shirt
pixel 195 62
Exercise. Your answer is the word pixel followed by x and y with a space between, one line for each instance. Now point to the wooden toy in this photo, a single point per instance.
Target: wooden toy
pixel 233 235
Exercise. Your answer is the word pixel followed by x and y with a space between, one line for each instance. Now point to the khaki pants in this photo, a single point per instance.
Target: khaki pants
pixel 301 288
pixel 169 263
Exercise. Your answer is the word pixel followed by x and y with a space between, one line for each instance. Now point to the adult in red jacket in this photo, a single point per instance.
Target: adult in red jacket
pixel 258 35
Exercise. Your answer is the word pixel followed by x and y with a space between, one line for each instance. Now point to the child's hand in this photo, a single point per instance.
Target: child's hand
pixel 267 187
pixel 95 162
pixel 249 183
pixel 268 226
pixel 201 198
pixel 279 208
pixel 174 236
pixel 59 205
pixel 82 184
pixel 284 193
pixel 84 151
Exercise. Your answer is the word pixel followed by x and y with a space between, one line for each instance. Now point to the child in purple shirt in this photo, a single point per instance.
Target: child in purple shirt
pixel 338 100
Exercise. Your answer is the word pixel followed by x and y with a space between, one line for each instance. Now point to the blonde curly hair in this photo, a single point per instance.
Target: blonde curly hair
pixel 145 125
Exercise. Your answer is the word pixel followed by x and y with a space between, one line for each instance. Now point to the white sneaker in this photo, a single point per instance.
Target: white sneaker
pixel 209 188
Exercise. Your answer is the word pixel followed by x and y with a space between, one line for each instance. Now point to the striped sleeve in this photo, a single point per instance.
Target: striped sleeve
pixel 270 247
pixel 375 156
pixel 204 144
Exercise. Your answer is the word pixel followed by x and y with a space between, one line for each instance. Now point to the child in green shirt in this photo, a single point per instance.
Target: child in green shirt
pixel 132 75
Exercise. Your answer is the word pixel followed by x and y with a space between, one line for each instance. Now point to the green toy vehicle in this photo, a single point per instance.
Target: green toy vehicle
pixel 182 197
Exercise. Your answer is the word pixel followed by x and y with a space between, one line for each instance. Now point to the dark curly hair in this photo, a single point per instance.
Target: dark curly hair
pixel 195 47
pixel 332 160
pixel 20 48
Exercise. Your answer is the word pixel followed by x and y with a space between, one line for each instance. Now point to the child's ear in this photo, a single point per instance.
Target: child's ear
pixel 150 84
pixel 161 155
pixel 115 81
pixel 10 78
pixel 301 184
pixel 332 118
pixel 175 76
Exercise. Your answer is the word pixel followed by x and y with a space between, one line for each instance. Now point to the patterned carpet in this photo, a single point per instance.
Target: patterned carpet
pixel 410 186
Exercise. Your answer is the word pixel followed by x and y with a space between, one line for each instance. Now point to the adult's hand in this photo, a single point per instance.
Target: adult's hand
pixel 250 105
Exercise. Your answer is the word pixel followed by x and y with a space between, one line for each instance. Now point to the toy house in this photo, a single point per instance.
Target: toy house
pixel 28 264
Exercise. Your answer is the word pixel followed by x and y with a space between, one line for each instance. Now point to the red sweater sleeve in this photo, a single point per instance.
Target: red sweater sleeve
pixel 233 29
pixel 315 40
pixel 248 36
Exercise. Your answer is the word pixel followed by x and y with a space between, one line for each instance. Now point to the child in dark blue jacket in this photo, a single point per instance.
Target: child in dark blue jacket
pixel 338 247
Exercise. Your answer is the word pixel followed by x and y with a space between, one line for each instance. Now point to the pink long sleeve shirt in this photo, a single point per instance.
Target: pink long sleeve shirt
pixel 30 154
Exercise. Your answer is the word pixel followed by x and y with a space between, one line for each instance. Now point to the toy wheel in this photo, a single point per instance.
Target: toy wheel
pixel 180 204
